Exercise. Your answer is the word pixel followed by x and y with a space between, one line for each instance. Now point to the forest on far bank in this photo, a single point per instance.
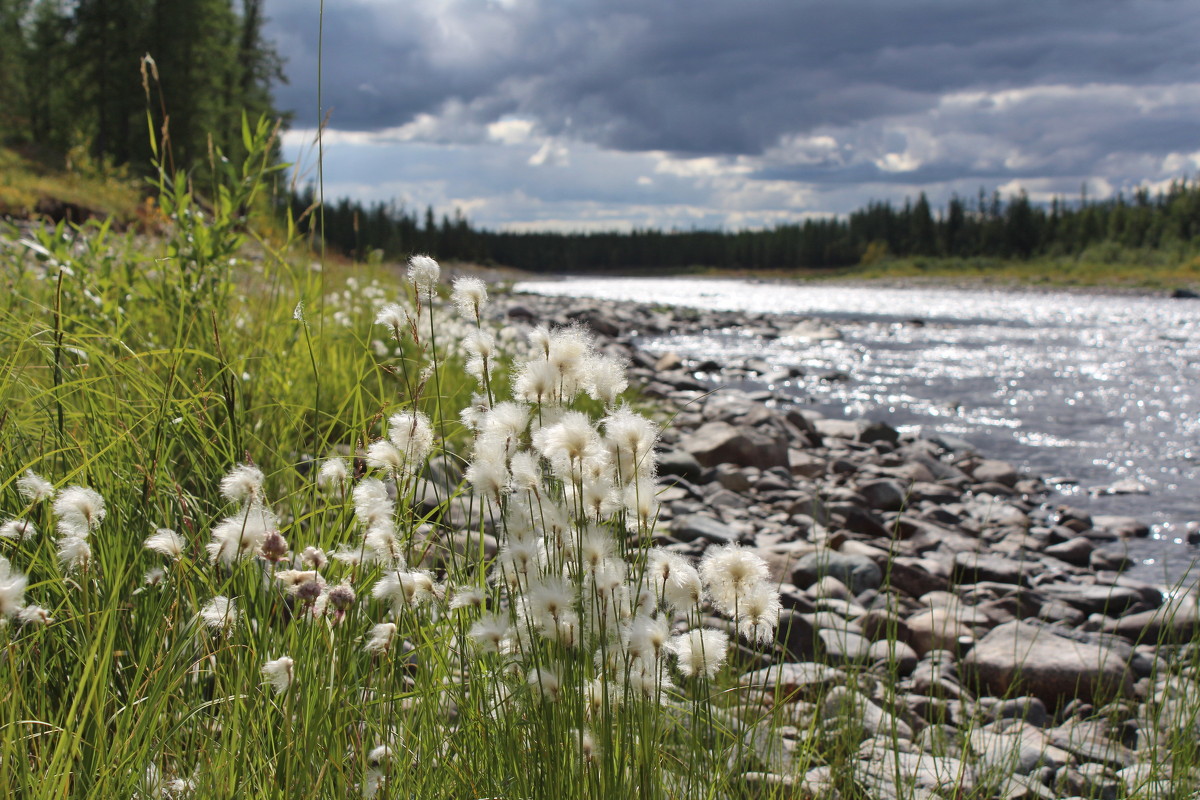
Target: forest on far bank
pixel 986 226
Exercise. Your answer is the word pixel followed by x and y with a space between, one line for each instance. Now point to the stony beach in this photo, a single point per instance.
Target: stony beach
pixel 980 634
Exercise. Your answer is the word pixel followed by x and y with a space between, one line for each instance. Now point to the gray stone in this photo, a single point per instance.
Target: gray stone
pixel 844 647
pixel 936 629
pixel 859 573
pixel 717 442
pixel 681 463
pixel 732 478
pixel 841 703
pixel 884 494
pixel 796 678
pixel 976 567
pixel 1025 658
pixel 1125 527
pixel 999 471
pixel 700 526
pixel 1176 621
pixel 1093 598
pixel 1074 551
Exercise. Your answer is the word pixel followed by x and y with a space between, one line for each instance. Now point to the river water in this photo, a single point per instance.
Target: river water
pixel 1096 390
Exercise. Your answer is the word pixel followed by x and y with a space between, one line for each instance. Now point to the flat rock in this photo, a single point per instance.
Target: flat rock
pixel 805 677
pixel 841 703
pixel 936 629
pixel 1125 527
pixel 690 527
pixel 1097 598
pixel 976 567
pixel 1019 657
pixel 717 442
pixel 998 471
pixel 857 572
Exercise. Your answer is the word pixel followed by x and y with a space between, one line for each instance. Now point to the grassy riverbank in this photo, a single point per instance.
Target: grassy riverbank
pixel 244 498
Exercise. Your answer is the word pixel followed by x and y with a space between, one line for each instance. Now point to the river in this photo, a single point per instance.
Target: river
pixel 1096 391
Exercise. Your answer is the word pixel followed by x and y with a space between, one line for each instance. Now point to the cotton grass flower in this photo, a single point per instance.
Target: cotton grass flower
pixel 545 682
pixel 19 529
pixel 167 542
pixel 243 482
pixel 424 272
pixel 469 296
pixel 395 317
pixel 79 509
pixel 279 673
pixel 333 475
pixel 758 613
pixel 700 651
pixel 220 614
pixel 490 632
pixel 372 503
pixel 380 638
pixel 409 589
pixel 34 616
pixel 730 572
pixel 34 488
pixel 74 553
pixel 241 535
pixel 412 434
pixel 12 590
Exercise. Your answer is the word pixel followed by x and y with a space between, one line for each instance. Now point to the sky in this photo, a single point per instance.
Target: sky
pixel 620 114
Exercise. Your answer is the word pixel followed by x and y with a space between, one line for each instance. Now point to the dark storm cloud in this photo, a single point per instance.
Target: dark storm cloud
pixel 708 76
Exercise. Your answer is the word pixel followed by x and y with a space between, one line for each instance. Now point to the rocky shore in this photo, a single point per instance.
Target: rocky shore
pixel 981 636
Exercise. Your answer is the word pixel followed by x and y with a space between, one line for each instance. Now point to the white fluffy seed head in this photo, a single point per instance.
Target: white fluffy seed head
pixel 279 673
pixel 372 504
pixel 545 682
pixel 489 632
pixel 19 529
pixel 34 488
pixel 606 379
pixel 537 382
pixel 80 508
pixel 220 614
pixel 381 637
pixel 758 613
pixel 729 572
pixel 243 482
pixel 167 542
pixel 74 553
pixel 333 474
pixel 700 651
pixel 12 590
pixel 412 433
pixel 469 296
pixel 424 272
pixel 395 317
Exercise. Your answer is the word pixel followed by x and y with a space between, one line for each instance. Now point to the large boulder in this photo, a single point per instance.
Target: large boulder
pixel 1021 658
pixel 719 442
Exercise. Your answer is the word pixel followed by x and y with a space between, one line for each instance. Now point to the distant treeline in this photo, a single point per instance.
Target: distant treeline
pixel 71 79
pixel 985 226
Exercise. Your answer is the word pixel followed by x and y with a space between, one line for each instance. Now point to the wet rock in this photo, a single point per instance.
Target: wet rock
pixel 716 442
pixel 1176 621
pixel 1000 472
pixel 1074 551
pixel 1020 657
pixel 1124 527
pixel 859 573
pixel 1093 598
